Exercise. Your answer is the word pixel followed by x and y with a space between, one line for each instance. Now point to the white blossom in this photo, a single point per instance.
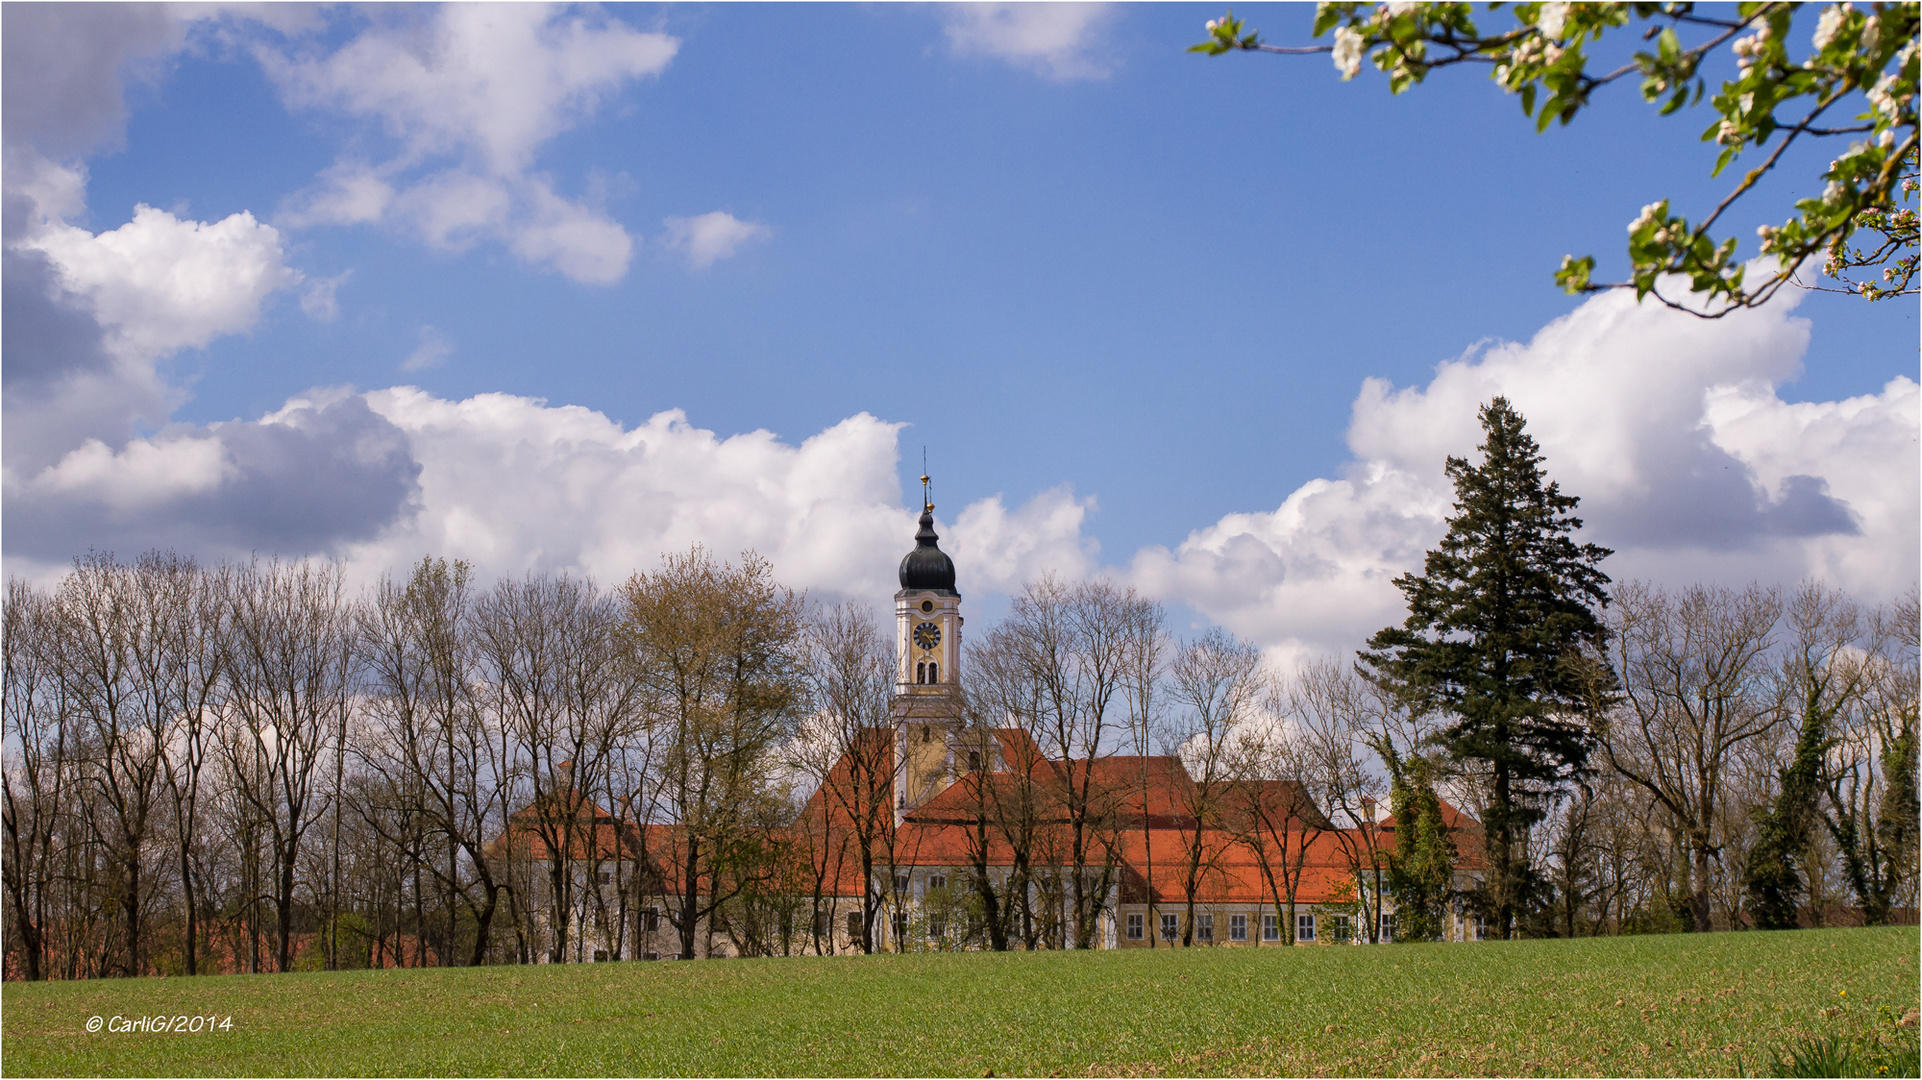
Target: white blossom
pixel 1551 19
pixel 1882 96
pixel 1399 8
pixel 1729 134
pixel 1871 34
pixel 1831 21
pixel 1348 52
pixel 1887 138
pixel 1648 214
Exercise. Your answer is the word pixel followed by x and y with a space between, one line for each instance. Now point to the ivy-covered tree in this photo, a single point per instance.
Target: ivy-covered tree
pixel 1502 639
pixel 1855 83
pixel 1773 879
pixel 1421 868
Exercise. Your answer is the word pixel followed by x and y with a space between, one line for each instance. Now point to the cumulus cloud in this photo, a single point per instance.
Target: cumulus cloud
pixel 711 236
pixel 513 484
pixel 89 316
pixel 1003 549
pixel 310 477
pixel 1668 427
pixel 63 69
pixel 1060 41
pixel 160 284
pixel 483 87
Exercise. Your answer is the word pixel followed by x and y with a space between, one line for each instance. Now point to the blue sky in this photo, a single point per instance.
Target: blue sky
pixel 1130 293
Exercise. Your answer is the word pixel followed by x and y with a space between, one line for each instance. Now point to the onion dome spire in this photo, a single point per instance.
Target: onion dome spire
pixel 927 568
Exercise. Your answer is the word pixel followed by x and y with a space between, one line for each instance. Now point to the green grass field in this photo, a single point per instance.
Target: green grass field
pixel 1682 1005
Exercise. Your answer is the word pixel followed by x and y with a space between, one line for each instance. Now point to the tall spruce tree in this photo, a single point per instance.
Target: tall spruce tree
pixel 1503 640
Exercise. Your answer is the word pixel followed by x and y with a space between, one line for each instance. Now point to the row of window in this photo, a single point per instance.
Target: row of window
pixel 1339 927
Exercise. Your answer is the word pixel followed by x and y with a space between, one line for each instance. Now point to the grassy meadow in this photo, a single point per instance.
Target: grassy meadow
pixel 1715 1004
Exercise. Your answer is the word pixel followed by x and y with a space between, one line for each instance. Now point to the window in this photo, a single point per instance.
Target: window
pixel 823 924
pixel 650 956
pixel 1170 927
pixel 921 674
pixel 901 883
pixel 1387 927
pixel 937 927
pixel 1304 928
pixel 974 761
pixel 1204 928
pixel 1237 928
pixel 1134 926
pixel 937 881
pixel 934 675
pixel 854 926
pixel 1481 928
pixel 900 926
pixel 606 877
pixel 600 956
pixel 1339 927
pixel 1270 928
pixel 651 919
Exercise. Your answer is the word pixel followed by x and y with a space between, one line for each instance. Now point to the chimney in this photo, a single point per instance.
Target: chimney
pixel 1368 807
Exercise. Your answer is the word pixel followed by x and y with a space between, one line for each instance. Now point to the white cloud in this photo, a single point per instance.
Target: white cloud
pixel 350 193
pixel 512 484
pixel 1669 429
pixel 1057 40
pixel 161 284
pixel 578 241
pixel 434 349
pixel 484 85
pixel 1003 549
pixel 711 236
pixel 141 475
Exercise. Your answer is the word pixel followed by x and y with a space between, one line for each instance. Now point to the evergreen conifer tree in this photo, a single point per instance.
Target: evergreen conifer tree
pixel 1503 640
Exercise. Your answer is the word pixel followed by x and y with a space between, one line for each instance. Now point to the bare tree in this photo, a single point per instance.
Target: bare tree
pixel 1216 683
pixel 38 774
pixel 290 666
pixel 431 735
pixel 566 698
pixel 1072 644
pixel 188 626
pixel 847 749
pixel 1144 667
pixel 110 642
pixel 1695 670
pixel 1337 715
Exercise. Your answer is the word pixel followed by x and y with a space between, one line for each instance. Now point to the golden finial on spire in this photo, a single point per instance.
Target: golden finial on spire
pixel 927 502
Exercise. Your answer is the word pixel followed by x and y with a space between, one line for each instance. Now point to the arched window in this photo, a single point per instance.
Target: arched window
pixel 974 761
pixel 932 676
pixel 921 674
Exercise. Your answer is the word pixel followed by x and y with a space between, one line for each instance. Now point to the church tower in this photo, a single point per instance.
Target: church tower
pixel 927 709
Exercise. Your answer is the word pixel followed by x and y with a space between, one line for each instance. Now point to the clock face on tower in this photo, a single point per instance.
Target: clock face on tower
pixel 927 635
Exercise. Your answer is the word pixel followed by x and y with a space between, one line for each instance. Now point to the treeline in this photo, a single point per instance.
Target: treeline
pixel 243 767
